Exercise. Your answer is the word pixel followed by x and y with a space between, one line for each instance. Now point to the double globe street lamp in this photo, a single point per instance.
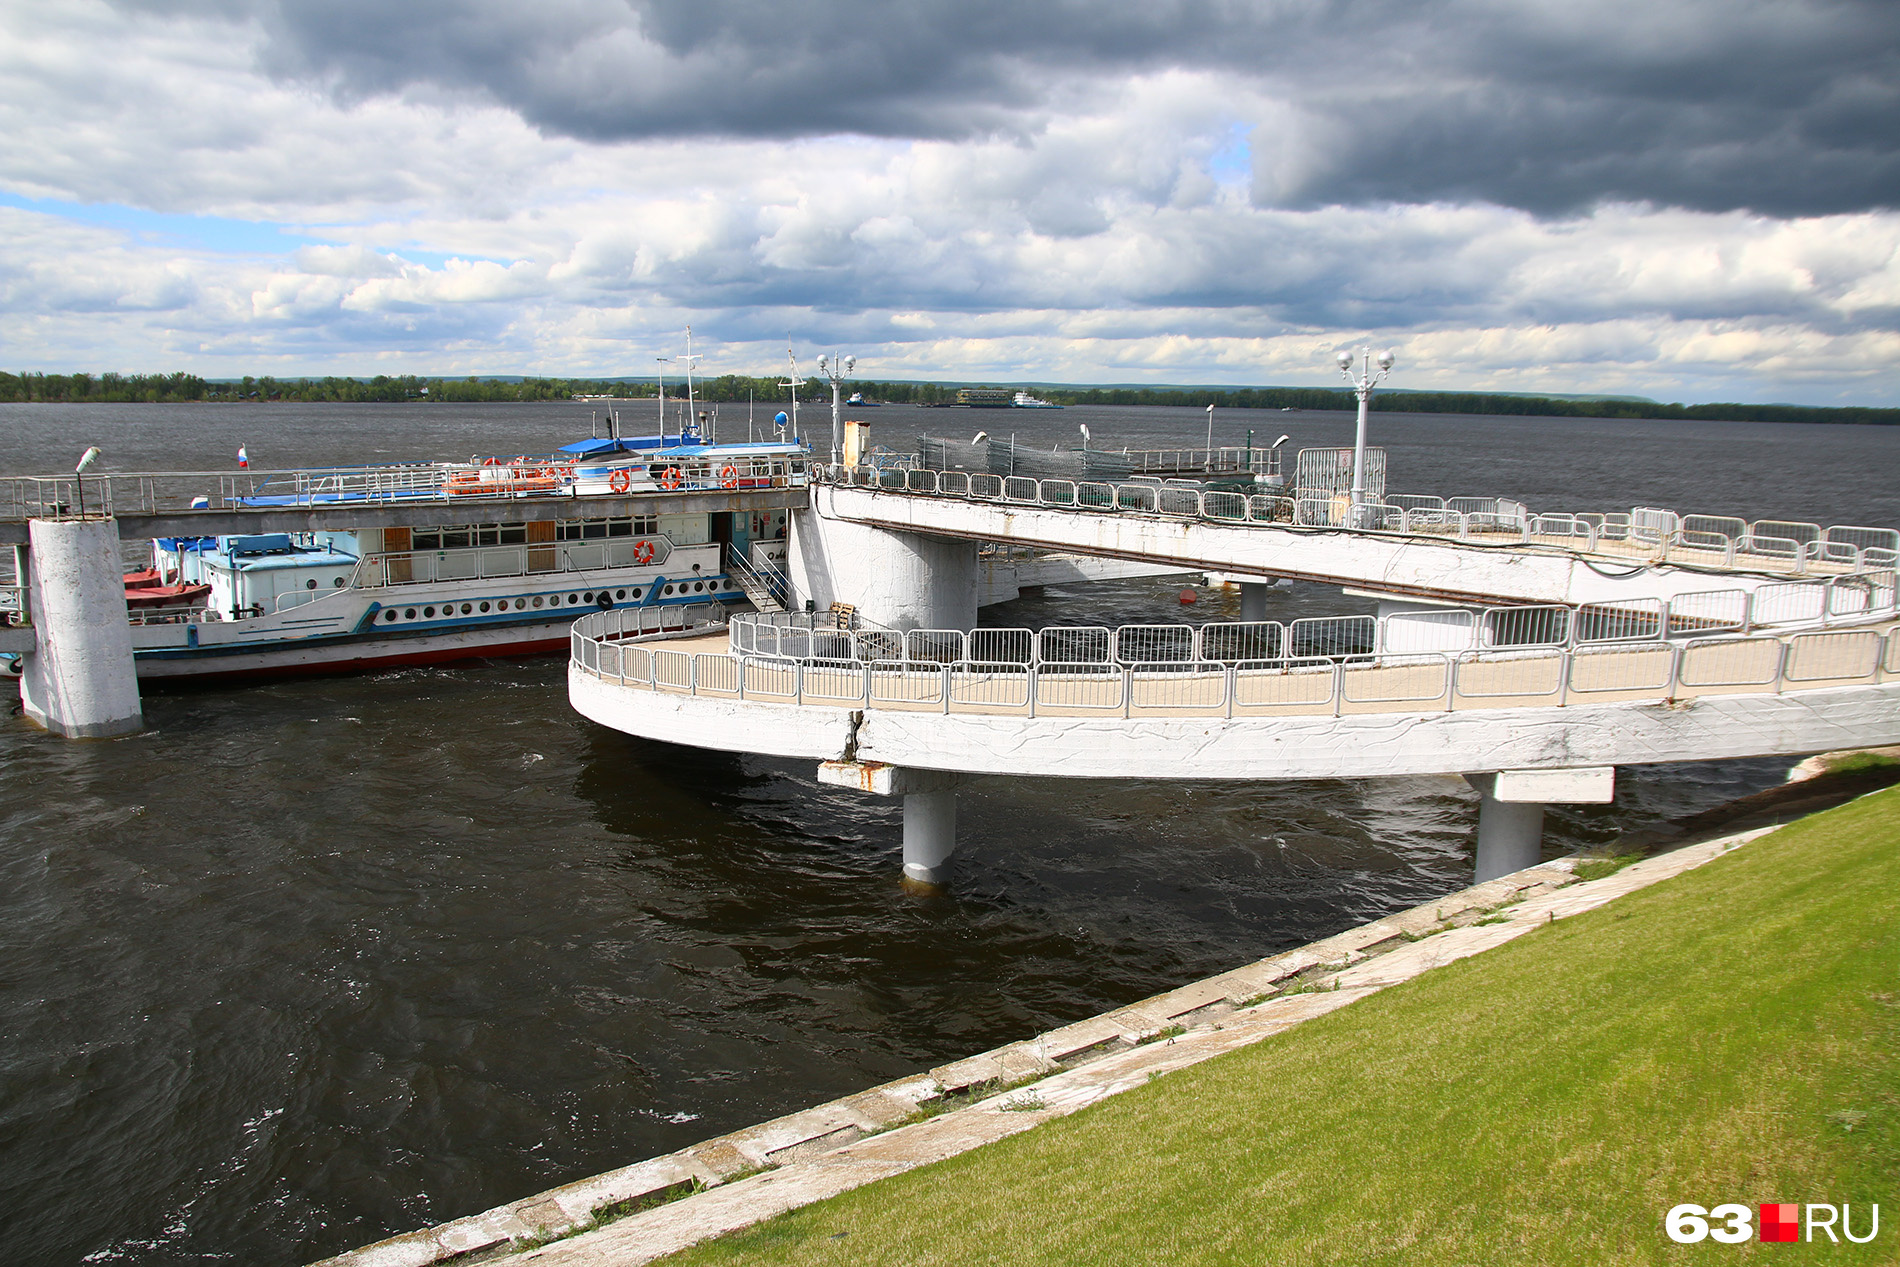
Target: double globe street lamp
pixel 837 371
pixel 1362 384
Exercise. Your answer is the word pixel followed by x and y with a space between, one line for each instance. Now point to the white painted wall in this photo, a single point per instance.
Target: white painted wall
pixel 1355 746
pixel 1494 574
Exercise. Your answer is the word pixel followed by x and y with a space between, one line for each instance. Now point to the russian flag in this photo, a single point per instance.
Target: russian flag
pixel 244 459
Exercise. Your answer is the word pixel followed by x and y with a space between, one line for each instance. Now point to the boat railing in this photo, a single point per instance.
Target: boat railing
pixel 15 611
pixel 1648 533
pixel 1283 682
pixel 60 497
pixel 470 563
pixel 1819 604
pixel 172 615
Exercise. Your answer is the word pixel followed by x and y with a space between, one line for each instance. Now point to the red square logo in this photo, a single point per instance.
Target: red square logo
pixel 1781 1222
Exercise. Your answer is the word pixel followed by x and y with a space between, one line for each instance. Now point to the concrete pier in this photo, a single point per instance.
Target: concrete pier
pixel 930 811
pixel 79 680
pixel 930 836
pixel 1511 812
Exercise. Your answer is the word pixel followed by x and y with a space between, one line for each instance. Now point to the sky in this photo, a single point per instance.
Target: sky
pixel 1692 200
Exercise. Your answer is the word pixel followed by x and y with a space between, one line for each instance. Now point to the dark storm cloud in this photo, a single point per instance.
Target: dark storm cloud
pixel 1782 106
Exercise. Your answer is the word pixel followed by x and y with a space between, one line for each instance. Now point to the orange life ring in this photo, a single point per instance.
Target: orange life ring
pixel 620 481
pixel 671 479
pixel 729 477
pixel 491 461
pixel 643 553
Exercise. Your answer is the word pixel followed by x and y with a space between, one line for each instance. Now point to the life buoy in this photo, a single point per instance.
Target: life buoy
pixel 620 481
pixel 643 553
pixel 671 479
pixel 491 461
pixel 729 477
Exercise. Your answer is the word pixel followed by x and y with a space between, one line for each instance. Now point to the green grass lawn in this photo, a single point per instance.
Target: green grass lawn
pixel 1729 1035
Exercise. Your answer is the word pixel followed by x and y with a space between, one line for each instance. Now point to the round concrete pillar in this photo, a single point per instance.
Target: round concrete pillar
pixel 1253 601
pixel 930 836
pixel 896 580
pixel 80 680
pixel 1510 837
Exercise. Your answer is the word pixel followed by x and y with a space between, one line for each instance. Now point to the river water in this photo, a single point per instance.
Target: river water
pixel 309 963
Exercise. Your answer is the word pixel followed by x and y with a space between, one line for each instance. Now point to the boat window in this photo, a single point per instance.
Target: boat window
pixel 426 539
pixel 594 528
pixel 456 540
pixel 514 534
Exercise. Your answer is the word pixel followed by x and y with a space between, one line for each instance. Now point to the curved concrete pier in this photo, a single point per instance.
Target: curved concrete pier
pixel 79 680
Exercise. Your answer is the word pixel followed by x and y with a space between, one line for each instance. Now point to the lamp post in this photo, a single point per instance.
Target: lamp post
pixel 1362 385
pixel 837 371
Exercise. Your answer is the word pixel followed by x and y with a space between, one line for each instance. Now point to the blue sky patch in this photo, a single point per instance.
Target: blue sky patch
pixel 1232 163
pixel 157 228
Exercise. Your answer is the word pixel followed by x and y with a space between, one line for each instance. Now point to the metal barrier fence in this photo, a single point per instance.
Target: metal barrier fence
pixel 1707 540
pixel 1414 682
pixel 1790 605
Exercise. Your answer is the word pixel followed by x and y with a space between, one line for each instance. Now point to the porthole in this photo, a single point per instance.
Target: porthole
pixel 389 615
pixel 410 614
pixel 466 609
pixel 620 594
pixel 310 584
pixel 633 594
pixel 337 583
pixel 484 606
pixel 698 586
pixel 585 598
pixel 428 613
pixel 669 589
pixel 537 600
pixel 573 599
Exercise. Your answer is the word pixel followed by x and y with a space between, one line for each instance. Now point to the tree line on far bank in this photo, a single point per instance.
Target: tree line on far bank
pixel 165 388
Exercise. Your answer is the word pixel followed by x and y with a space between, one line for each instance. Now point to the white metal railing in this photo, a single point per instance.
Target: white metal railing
pixel 1553 676
pixel 1785 607
pixel 1706 540
pixel 14 608
pixel 134 493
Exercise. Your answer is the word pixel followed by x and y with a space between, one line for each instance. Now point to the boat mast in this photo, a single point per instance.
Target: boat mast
pixel 794 382
pixel 692 416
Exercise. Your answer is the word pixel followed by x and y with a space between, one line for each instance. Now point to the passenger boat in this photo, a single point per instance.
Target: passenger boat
pixel 371 597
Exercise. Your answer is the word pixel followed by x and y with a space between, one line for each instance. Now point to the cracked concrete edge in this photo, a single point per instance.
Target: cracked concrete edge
pixel 1154 1035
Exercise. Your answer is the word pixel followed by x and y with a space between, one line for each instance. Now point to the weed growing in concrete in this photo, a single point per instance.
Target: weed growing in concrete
pixel 1598 868
pixel 1166 1031
pixel 1023 1102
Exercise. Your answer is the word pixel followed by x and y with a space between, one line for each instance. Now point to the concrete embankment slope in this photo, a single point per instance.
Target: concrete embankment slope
pixel 1726 1035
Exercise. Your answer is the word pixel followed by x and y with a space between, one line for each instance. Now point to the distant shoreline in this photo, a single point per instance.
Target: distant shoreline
pixel 732 388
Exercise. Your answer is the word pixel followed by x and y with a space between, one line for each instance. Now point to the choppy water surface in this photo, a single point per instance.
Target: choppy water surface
pixel 306 964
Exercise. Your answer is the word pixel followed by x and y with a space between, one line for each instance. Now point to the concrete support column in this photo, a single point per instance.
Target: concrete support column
pixel 1510 837
pixel 930 812
pixel 1253 601
pixel 79 680
pixel 897 580
pixel 1511 812
pixel 930 836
